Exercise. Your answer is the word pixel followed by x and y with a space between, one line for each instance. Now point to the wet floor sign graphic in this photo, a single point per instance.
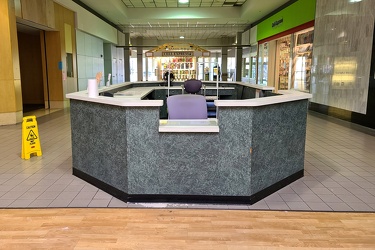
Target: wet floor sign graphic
pixel 30 138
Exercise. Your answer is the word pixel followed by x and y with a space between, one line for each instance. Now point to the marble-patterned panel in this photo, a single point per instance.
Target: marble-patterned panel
pixel 99 142
pixel 122 147
pixel 236 129
pixel 143 149
pixel 278 143
pixel 190 164
pixel 342 53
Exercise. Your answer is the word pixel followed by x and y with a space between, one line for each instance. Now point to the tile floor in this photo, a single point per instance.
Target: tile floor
pixel 339 172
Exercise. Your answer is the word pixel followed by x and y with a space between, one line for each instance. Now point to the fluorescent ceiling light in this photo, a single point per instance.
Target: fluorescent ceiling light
pixel 354 1
pixel 182 37
pixel 183 1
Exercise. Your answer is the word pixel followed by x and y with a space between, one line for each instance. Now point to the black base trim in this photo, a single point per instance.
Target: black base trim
pixel 366 120
pixel 188 198
pixel 212 199
pixel 121 195
pixel 277 186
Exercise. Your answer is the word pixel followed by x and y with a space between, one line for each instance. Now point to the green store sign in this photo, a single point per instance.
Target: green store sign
pixel 298 13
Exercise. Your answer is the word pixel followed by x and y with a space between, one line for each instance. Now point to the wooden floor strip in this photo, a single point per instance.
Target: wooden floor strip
pixel 98 228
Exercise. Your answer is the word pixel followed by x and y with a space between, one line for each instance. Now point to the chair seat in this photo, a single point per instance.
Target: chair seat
pixel 187 107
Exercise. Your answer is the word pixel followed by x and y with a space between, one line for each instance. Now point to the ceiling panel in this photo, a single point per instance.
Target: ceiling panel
pixel 169 27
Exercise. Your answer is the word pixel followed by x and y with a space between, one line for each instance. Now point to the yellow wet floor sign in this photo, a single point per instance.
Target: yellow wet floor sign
pixel 30 138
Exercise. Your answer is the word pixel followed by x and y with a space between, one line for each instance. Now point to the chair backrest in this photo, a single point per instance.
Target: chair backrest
pixel 187 107
pixel 192 86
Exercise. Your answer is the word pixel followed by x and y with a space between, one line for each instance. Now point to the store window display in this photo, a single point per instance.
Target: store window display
pixel 285 62
pixel 302 60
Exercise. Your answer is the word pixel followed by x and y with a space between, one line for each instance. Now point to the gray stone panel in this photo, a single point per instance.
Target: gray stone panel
pixel 143 149
pixel 278 142
pixel 188 164
pixel 99 142
pixel 235 125
pixel 255 148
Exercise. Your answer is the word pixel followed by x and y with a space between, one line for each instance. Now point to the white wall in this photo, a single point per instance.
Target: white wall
pixel 90 23
pixel 90 58
pixel 253 35
pixel 245 38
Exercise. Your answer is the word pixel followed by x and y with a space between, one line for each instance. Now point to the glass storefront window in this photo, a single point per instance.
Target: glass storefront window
pixel 253 67
pixel 202 68
pixel 231 68
pixel 133 70
pixel 245 64
pixel 245 67
pixel 263 64
pixel 284 62
pixel 290 61
pixel 302 59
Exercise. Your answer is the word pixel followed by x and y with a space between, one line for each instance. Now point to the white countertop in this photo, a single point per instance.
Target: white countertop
pixel 196 126
pixel 286 96
pixel 141 92
pixel 134 93
pixel 133 100
pixel 133 97
pixel 255 86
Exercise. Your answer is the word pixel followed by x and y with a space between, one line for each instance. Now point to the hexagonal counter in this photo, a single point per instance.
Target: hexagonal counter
pixel 123 143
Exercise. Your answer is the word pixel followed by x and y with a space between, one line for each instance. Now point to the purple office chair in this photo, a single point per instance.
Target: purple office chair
pixel 187 107
pixel 192 86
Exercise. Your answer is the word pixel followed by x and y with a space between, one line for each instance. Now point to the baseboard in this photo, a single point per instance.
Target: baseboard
pixel 176 198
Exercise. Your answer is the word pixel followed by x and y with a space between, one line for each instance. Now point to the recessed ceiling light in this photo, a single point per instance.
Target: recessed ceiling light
pixel 183 1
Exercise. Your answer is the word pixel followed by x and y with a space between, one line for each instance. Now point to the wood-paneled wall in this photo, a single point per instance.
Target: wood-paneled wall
pixel 52 15
pixel 44 14
pixel 56 54
pixel 68 17
pixel 39 11
pixel 10 84
pixel 54 74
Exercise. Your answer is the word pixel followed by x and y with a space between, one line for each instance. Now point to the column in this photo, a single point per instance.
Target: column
pixel 127 57
pixel 239 57
pixel 10 77
pixel 139 59
pixel 224 64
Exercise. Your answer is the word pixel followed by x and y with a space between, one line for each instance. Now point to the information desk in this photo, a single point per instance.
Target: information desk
pixel 254 148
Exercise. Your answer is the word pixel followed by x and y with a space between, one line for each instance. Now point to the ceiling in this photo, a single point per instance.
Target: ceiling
pixel 195 20
pixel 171 4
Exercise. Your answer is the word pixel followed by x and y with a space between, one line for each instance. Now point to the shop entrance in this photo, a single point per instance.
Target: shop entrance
pixel 285 62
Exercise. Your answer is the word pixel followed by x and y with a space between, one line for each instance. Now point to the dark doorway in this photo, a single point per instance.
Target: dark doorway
pixel 31 68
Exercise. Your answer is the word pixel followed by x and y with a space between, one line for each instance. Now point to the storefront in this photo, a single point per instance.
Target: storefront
pixel 285 44
pixel 179 59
